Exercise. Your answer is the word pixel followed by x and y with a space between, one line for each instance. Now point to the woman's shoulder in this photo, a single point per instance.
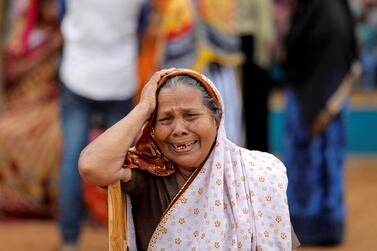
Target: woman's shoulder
pixel 260 156
pixel 262 161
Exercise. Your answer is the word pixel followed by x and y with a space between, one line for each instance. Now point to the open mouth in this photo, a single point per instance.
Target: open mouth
pixel 183 147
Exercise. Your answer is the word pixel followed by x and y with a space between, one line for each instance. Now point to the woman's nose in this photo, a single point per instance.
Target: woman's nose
pixel 180 128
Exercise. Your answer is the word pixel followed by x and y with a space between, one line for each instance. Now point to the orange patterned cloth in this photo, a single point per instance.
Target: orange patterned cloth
pixel 204 31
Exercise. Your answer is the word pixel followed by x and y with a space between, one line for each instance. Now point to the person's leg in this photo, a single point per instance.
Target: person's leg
pixel 333 203
pixel 116 110
pixel 304 163
pixel 75 118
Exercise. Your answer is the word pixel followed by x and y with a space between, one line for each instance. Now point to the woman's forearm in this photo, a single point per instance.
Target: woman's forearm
pixel 101 161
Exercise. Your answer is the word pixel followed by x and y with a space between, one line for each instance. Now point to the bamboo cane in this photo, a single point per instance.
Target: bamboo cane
pixel 117 218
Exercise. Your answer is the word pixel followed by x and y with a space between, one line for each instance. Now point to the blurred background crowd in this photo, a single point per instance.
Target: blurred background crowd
pixel 70 69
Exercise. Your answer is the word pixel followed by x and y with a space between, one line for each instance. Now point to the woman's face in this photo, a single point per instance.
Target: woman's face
pixel 185 130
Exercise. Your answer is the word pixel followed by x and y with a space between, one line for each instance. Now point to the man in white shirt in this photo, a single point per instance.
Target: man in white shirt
pixel 98 73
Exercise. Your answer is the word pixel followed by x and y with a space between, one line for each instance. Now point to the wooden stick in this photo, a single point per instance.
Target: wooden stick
pixel 117 218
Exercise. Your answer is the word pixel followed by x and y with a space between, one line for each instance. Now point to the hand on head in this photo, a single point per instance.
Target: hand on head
pixel 148 95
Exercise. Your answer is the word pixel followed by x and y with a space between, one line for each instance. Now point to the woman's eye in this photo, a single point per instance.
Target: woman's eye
pixel 164 120
pixel 191 116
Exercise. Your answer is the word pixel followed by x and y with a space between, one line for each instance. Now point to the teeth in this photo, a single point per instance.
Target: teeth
pixel 181 147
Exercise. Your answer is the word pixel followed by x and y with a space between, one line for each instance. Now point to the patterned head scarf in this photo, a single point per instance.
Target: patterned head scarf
pixel 146 155
pixel 236 200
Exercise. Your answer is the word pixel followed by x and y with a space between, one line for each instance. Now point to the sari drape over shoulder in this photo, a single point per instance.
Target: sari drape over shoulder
pixel 236 200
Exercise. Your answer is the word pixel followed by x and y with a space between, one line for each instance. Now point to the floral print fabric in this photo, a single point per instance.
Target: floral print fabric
pixel 236 201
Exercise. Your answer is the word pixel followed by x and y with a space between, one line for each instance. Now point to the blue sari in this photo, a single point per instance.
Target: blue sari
pixel 315 172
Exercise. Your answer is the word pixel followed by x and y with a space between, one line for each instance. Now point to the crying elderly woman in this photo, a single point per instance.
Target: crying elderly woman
pixel 189 186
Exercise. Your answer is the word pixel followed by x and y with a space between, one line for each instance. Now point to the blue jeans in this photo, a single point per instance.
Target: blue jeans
pixel 76 118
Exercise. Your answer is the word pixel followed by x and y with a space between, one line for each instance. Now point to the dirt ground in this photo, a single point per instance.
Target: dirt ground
pixel 361 197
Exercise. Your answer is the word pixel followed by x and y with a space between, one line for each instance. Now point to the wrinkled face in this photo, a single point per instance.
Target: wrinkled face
pixel 185 130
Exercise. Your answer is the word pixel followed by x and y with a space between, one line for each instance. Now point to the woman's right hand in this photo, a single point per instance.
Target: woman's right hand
pixel 148 94
pixel 101 161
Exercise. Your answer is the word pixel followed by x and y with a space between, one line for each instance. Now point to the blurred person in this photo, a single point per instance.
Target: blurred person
pixel 320 50
pixel 98 73
pixel 61 5
pixel 256 28
pixel 366 34
pixel 367 43
pixel 190 187
pixel 29 119
pixel 200 35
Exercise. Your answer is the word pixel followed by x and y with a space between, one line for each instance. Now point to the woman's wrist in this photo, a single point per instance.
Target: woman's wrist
pixel 145 109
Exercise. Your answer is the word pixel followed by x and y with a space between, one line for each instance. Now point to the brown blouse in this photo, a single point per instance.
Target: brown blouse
pixel 150 196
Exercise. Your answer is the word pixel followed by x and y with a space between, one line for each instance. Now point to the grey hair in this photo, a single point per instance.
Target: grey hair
pixel 208 101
